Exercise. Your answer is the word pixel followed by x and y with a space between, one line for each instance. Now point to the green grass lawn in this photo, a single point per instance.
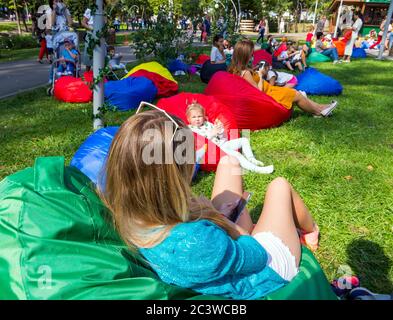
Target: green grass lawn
pixel 341 166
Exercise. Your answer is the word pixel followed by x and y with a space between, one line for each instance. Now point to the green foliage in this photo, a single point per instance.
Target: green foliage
pixel 164 41
pixel 17 42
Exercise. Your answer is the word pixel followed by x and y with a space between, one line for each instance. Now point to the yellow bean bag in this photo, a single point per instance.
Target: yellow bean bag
pixel 152 67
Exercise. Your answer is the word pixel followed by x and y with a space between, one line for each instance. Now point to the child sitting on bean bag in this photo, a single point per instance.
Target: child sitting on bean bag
pixel 215 132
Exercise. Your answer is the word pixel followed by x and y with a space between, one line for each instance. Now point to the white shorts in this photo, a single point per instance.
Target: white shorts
pixel 280 259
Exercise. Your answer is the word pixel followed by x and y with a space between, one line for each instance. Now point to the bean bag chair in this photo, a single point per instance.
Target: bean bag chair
pixel 128 93
pixel 165 87
pixel 71 89
pixel 214 109
pixel 91 155
pixel 58 242
pixel 90 158
pixel 177 65
pixel 208 70
pixel 252 108
pixel 314 82
pixel 202 58
pixel 262 55
pixel 358 53
pixel 317 57
pixel 152 67
pixel 340 46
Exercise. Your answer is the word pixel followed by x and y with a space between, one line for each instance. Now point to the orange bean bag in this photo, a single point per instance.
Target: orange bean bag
pixel 252 108
pixel 214 109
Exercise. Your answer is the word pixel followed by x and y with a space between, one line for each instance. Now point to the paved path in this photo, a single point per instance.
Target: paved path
pixel 24 75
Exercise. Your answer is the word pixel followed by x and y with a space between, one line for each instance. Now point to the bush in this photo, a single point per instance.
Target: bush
pixel 163 40
pixel 17 42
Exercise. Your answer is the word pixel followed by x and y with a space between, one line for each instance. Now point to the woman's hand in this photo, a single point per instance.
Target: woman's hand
pixel 227 208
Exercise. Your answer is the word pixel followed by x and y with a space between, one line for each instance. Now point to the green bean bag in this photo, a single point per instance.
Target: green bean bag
pixel 57 242
pixel 315 56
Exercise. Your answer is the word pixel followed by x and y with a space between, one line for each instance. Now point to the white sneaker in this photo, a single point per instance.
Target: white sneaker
pixel 335 61
pixel 265 170
pixel 256 162
pixel 327 112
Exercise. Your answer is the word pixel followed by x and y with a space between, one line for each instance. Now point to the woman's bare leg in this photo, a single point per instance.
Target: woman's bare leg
pixel 308 105
pixel 282 213
pixel 290 85
pixel 228 188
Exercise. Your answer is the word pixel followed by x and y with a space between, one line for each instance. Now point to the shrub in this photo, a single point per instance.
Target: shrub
pixel 17 42
pixel 163 40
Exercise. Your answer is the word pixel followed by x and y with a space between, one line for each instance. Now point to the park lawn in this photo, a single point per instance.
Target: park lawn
pixel 341 166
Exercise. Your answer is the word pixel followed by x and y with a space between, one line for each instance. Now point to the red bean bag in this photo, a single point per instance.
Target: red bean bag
pixel 165 87
pixel 252 108
pixel 177 106
pixel 262 55
pixel 202 59
pixel 71 89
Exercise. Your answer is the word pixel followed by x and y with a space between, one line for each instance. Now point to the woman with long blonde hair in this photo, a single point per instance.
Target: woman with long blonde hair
pixel 242 55
pixel 187 239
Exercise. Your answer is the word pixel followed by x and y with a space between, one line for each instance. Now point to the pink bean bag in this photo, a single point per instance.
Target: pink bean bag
pixel 252 108
pixel 214 109
pixel 262 55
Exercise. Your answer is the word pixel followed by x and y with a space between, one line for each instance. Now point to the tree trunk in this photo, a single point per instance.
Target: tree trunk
pixel 24 22
pixel 17 18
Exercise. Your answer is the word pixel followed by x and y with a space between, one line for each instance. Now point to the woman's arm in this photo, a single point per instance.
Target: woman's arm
pixel 248 77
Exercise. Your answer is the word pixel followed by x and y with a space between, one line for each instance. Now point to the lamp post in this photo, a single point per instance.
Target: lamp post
pixel 315 13
pixel 385 32
pixel 338 19
pixel 98 65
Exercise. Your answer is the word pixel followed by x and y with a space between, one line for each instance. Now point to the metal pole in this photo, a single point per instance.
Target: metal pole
pixel 98 64
pixel 385 32
pixel 338 19
pixel 315 13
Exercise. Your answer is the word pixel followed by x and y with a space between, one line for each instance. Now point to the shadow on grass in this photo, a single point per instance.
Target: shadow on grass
pixel 371 265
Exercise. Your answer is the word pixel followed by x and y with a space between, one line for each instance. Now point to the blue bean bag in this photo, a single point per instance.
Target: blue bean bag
pixel 314 82
pixel 127 93
pixel 358 53
pixel 177 65
pixel 91 156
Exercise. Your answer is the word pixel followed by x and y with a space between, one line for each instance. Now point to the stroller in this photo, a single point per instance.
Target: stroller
pixel 58 41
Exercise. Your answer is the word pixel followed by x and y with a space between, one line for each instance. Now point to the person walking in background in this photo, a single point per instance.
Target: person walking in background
pixel 282 26
pixel 87 23
pixel 261 30
pixel 320 27
pixel 355 33
pixel 43 49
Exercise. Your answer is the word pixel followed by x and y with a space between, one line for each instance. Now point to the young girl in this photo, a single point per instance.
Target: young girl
pixel 277 78
pixel 185 238
pixel 215 132
pixel 217 54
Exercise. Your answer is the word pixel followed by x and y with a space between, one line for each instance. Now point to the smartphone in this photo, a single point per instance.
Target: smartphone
pixel 234 216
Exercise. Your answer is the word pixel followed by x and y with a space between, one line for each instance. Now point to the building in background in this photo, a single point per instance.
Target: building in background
pixel 373 11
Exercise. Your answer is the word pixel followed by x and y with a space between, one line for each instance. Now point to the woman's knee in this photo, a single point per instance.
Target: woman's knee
pixel 280 182
pixel 227 159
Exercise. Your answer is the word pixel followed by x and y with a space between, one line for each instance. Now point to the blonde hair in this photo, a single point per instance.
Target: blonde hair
pixel 147 200
pixel 194 105
pixel 242 54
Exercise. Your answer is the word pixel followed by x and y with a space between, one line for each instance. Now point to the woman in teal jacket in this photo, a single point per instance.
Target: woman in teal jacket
pixel 188 240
